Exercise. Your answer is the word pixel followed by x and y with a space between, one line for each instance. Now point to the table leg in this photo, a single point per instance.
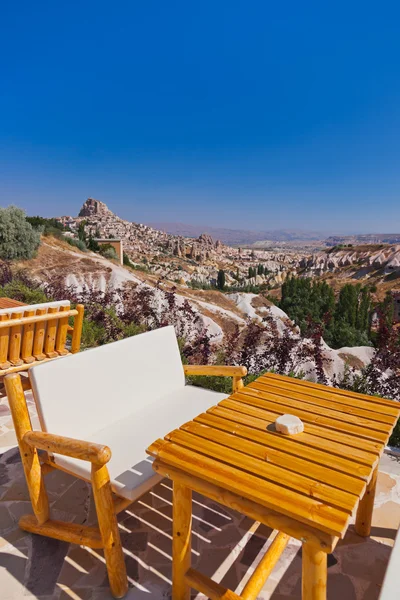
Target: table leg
pixel 181 540
pixel 366 507
pixel 315 573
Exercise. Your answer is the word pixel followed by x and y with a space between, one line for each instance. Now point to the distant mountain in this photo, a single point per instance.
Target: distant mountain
pixel 237 236
pixel 364 238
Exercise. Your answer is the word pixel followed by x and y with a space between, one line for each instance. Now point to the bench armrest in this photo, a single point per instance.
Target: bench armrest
pixel 215 370
pixel 219 371
pixel 94 453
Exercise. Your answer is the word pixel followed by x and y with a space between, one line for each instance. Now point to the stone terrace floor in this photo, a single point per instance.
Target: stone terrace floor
pixel 226 545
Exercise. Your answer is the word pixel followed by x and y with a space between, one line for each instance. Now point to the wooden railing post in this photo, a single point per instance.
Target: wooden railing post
pixel 62 330
pixel 27 339
pixel 4 343
pixel 14 349
pixel 77 333
pixel 40 330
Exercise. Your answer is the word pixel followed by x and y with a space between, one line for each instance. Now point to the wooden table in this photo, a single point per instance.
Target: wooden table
pixel 10 303
pixel 306 486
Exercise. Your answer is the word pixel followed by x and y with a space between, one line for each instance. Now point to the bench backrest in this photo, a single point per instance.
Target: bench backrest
pixel 78 395
pixel 37 332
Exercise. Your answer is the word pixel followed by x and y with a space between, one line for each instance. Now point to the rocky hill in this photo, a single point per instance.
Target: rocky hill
pixel 377 265
pixel 220 314
pixel 181 259
pixel 195 262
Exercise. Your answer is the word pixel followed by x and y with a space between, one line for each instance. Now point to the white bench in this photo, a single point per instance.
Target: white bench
pixel 122 397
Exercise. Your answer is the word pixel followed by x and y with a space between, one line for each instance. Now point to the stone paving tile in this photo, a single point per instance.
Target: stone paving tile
pixel 36 567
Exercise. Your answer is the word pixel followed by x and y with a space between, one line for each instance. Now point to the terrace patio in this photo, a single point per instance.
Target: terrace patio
pixel 226 545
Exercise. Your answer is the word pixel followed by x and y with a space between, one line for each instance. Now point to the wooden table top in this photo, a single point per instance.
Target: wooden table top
pixel 316 477
pixel 10 303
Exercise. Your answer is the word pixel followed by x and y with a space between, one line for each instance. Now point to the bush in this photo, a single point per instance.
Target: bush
pixel 18 290
pixel 108 251
pixel 93 245
pixel 18 239
pixel 110 254
pixel 47 226
pixel 76 243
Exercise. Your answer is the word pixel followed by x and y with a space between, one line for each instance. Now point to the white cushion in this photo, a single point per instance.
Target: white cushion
pixel 80 394
pixel 130 468
pixel 22 309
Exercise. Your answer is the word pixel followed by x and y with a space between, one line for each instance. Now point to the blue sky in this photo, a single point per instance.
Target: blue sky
pixel 242 114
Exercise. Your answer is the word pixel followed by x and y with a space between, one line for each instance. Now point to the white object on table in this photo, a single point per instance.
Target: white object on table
pixel 289 424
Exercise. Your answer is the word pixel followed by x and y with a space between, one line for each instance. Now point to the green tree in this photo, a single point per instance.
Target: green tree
pixel 252 272
pixel 221 279
pixel 81 232
pixel 47 226
pixel 93 245
pixel 18 239
pixel 347 306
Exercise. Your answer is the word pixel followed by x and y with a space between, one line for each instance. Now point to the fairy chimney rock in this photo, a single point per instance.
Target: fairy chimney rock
pixel 94 208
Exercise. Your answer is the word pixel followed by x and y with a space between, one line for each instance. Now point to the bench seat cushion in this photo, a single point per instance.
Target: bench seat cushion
pixel 130 468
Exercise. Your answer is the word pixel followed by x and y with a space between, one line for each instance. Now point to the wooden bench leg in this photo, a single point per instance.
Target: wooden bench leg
pixel 366 507
pixel 315 573
pixel 181 540
pixel 108 526
pixel 29 455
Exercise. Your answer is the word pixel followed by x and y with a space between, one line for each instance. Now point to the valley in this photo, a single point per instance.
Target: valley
pixel 223 300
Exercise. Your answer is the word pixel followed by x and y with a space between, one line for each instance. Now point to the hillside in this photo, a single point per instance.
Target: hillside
pixel 184 260
pixel 194 262
pixel 220 315
pixel 376 265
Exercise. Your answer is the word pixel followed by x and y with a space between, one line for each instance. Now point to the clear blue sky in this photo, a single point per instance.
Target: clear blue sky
pixel 244 114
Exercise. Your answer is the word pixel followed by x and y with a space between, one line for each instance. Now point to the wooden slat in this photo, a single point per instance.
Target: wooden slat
pixel 308 417
pixel 236 501
pixel 14 349
pixel 38 341
pixel 62 331
pixel 327 518
pixel 320 387
pixel 4 343
pixel 10 303
pixel 22 367
pixel 50 339
pixel 322 432
pixel 27 339
pixel 315 399
pixel 51 315
pixel 301 459
pixel 293 400
pixel 253 417
pixel 240 454
pixel 374 409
